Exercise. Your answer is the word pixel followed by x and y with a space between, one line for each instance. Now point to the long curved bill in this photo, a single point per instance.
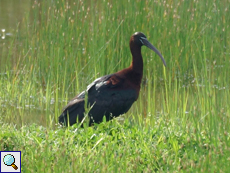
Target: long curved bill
pixel 150 46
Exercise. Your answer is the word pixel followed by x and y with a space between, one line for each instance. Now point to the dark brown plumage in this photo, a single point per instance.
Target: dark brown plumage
pixel 111 95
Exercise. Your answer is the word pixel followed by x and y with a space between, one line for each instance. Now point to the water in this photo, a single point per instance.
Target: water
pixel 12 12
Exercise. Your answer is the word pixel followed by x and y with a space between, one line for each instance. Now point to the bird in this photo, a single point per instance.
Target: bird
pixel 110 95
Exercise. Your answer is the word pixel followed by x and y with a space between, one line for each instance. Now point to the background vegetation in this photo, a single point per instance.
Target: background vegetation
pixel 181 119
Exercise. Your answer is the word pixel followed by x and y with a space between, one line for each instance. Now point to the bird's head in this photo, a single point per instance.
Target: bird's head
pixel 140 39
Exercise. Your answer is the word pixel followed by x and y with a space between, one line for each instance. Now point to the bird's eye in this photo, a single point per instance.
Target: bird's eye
pixel 141 40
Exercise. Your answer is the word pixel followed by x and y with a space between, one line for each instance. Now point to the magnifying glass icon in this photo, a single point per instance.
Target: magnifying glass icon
pixel 9 160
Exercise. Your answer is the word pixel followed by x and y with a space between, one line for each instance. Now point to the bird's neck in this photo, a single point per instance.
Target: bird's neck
pixel 136 68
pixel 135 71
pixel 137 61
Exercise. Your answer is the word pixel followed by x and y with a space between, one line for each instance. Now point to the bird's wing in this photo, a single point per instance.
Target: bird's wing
pixel 81 96
pixel 110 96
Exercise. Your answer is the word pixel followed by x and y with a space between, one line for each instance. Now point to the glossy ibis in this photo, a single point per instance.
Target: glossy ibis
pixel 111 95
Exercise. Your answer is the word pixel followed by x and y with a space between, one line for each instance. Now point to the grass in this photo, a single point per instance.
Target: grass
pixel 181 119
pixel 112 147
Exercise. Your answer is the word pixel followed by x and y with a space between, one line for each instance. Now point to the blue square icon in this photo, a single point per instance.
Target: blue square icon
pixel 10 161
